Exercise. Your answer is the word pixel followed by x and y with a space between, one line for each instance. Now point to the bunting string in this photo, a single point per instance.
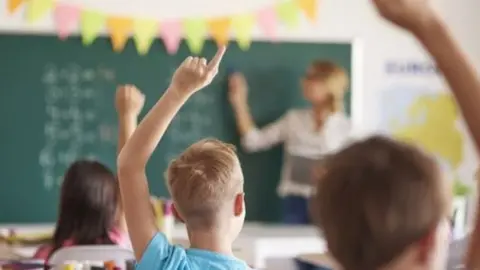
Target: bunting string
pixel 69 17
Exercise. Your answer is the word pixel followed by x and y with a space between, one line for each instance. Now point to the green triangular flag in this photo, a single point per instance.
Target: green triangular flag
pixel 289 13
pixel 195 31
pixel 144 31
pixel 91 24
pixel 37 8
pixel 243 27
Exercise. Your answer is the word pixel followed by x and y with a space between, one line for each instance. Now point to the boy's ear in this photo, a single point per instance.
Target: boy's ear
pixel 427 246
pixel 239 204
pixel 176 214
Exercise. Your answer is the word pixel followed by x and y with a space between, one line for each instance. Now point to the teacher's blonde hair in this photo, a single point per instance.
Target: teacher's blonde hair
pixel 335 79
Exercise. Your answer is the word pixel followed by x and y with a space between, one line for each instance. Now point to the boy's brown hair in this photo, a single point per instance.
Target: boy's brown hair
pixel 377 198
pixel 203 179
pixel 335 79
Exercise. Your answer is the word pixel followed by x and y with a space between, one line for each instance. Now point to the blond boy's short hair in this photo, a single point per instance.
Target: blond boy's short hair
pixel 204 179
pixel 334 77
pixel 377 198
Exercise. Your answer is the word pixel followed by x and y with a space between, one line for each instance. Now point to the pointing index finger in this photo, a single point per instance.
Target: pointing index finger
pixel 215 62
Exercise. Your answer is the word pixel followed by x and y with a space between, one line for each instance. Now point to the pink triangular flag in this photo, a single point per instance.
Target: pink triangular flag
pixel 66 19
pixel 267 21
pixel 171 35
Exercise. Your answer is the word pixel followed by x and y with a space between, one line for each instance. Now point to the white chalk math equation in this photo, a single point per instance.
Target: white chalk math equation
pixel 72 125
pixel 191 123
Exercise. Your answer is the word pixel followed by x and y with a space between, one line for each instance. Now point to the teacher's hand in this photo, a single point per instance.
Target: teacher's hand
pixel 237 89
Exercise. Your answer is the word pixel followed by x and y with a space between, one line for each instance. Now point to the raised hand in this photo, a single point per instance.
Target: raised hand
pixel 129 100
pixel 412 15
pixel 195 73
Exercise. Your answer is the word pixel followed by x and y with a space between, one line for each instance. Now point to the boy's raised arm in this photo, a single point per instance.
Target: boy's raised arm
pixel 192 75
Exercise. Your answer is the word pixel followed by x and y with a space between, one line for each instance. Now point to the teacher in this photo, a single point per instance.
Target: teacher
pixel 307 134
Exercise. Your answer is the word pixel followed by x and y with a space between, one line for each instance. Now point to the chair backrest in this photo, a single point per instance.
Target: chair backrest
pixel 94 253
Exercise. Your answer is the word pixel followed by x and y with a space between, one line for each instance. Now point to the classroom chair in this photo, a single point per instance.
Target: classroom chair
pixel 91 253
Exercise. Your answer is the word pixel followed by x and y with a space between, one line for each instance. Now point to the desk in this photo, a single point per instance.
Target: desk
pixel 263 246
pixel 316 261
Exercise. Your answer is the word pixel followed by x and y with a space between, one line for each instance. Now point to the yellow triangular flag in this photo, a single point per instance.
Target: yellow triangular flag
pixel 195 31
pixel 243 27
pixel 37 8
pixel 219 28
pixel 13 5
pixel 288 13
pixel 91 24
pixel 120 28
pixel 144 31
pixel 309 7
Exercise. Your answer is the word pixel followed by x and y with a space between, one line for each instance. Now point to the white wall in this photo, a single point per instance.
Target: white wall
pixel 338 20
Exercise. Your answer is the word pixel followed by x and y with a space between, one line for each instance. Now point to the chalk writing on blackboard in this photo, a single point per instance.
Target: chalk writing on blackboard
pixel 72 119
pixel 191 124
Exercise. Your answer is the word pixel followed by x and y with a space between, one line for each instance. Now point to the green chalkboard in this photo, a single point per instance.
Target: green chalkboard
pixel 56 105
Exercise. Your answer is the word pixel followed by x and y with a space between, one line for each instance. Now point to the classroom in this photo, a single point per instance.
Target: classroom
pixel 83 83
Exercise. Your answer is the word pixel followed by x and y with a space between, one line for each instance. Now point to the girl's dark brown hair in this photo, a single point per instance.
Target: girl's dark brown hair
pixel 88 204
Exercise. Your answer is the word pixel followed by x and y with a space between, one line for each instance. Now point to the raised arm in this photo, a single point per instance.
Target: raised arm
pixel 253 139
pixel 192 75
pixel 237 94
pixel 129 103
pixel 418 17
pixel 472 258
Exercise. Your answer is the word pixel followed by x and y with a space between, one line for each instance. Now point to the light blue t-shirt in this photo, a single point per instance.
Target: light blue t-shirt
pixel 160 255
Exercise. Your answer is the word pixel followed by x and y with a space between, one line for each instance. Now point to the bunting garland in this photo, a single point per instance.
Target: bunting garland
pixel 144 31
pixel 288 13
pixel 219 30
pixel 68 17
pixel 91 24
pixel 195 31
pixel 13 5
pixel 37 8
pixel 171 34
pixel 243 27
pixel 119 31
pixel 267 21
pixel 309 7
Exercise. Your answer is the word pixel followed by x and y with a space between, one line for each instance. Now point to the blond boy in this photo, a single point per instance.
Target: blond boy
pixel 206 184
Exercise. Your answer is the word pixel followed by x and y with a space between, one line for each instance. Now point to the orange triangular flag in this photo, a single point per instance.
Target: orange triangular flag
pixel 309 7
pixel 120 28
pixel 219 29
pixel 13 5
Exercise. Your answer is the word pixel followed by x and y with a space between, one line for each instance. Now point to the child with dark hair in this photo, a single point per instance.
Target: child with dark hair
pixel 88 208
pixel 90 211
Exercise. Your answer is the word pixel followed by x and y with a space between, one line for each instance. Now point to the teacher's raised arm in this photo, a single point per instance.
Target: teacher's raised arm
pixel 307 134
pixel 253 139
